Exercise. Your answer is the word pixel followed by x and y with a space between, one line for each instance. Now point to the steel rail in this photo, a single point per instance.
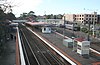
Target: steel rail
pixel 25 50
pixel 46 57
pixel 31 50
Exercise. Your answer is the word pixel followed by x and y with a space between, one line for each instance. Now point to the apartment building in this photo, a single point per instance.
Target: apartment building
pixel 98 20
pixel 69 17
pixel 81 18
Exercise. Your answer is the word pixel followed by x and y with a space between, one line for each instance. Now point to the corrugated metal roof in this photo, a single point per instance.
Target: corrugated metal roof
pixel 79 39
pixel 36 23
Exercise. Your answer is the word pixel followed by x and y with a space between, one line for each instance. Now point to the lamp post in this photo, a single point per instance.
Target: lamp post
pixel 73 43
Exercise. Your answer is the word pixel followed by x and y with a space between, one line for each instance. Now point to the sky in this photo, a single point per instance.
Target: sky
pixel 41 7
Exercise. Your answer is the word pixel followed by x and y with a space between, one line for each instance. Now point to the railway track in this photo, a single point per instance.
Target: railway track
pixel 30 57
pixel 35 50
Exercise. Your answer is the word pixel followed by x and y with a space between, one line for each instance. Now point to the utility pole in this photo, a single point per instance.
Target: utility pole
pixel 89 30
pixel 45 16
pixel 64 27
pixel 93 29
pixel 73 29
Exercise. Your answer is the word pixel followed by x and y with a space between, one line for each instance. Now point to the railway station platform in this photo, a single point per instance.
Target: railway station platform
pixel 8 55
pixel 57 41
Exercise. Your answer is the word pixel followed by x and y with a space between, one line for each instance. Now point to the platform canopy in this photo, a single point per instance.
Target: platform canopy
pixel 14 24
pixel 39 24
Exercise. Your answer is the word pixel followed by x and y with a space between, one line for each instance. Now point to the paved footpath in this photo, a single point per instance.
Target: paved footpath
pixel 8 55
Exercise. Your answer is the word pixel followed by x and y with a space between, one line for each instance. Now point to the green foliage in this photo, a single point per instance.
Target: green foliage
pixel 59 16
pixel 84 30
pixel 91 32
pixel 4 31
pixel 31 15
pixel 10 16
pixel 48 16
pixel 2 15
pixel 4 27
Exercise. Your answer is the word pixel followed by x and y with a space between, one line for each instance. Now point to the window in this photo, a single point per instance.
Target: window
pixel 89 15
pixel 49 29
pixel 92 19
pixel 77 15
pixel 89 18
pixel 79 47
pixel 86 47
pixel 44 29
pixel 86 18
pixel 92 15
pixel 95 15
pixel 86 15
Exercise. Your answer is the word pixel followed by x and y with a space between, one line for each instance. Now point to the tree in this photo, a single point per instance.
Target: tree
pixel 51 16
pixel 31 13
pixel 48 16
pixel 2 15
pixel 59 16
pixel 10 16
pixel 23 16
pixel 55 17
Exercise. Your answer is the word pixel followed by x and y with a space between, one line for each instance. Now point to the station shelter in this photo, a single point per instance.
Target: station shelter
pixel 68 42
pixel 42 26
pixel 46 29
pixel 82 46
